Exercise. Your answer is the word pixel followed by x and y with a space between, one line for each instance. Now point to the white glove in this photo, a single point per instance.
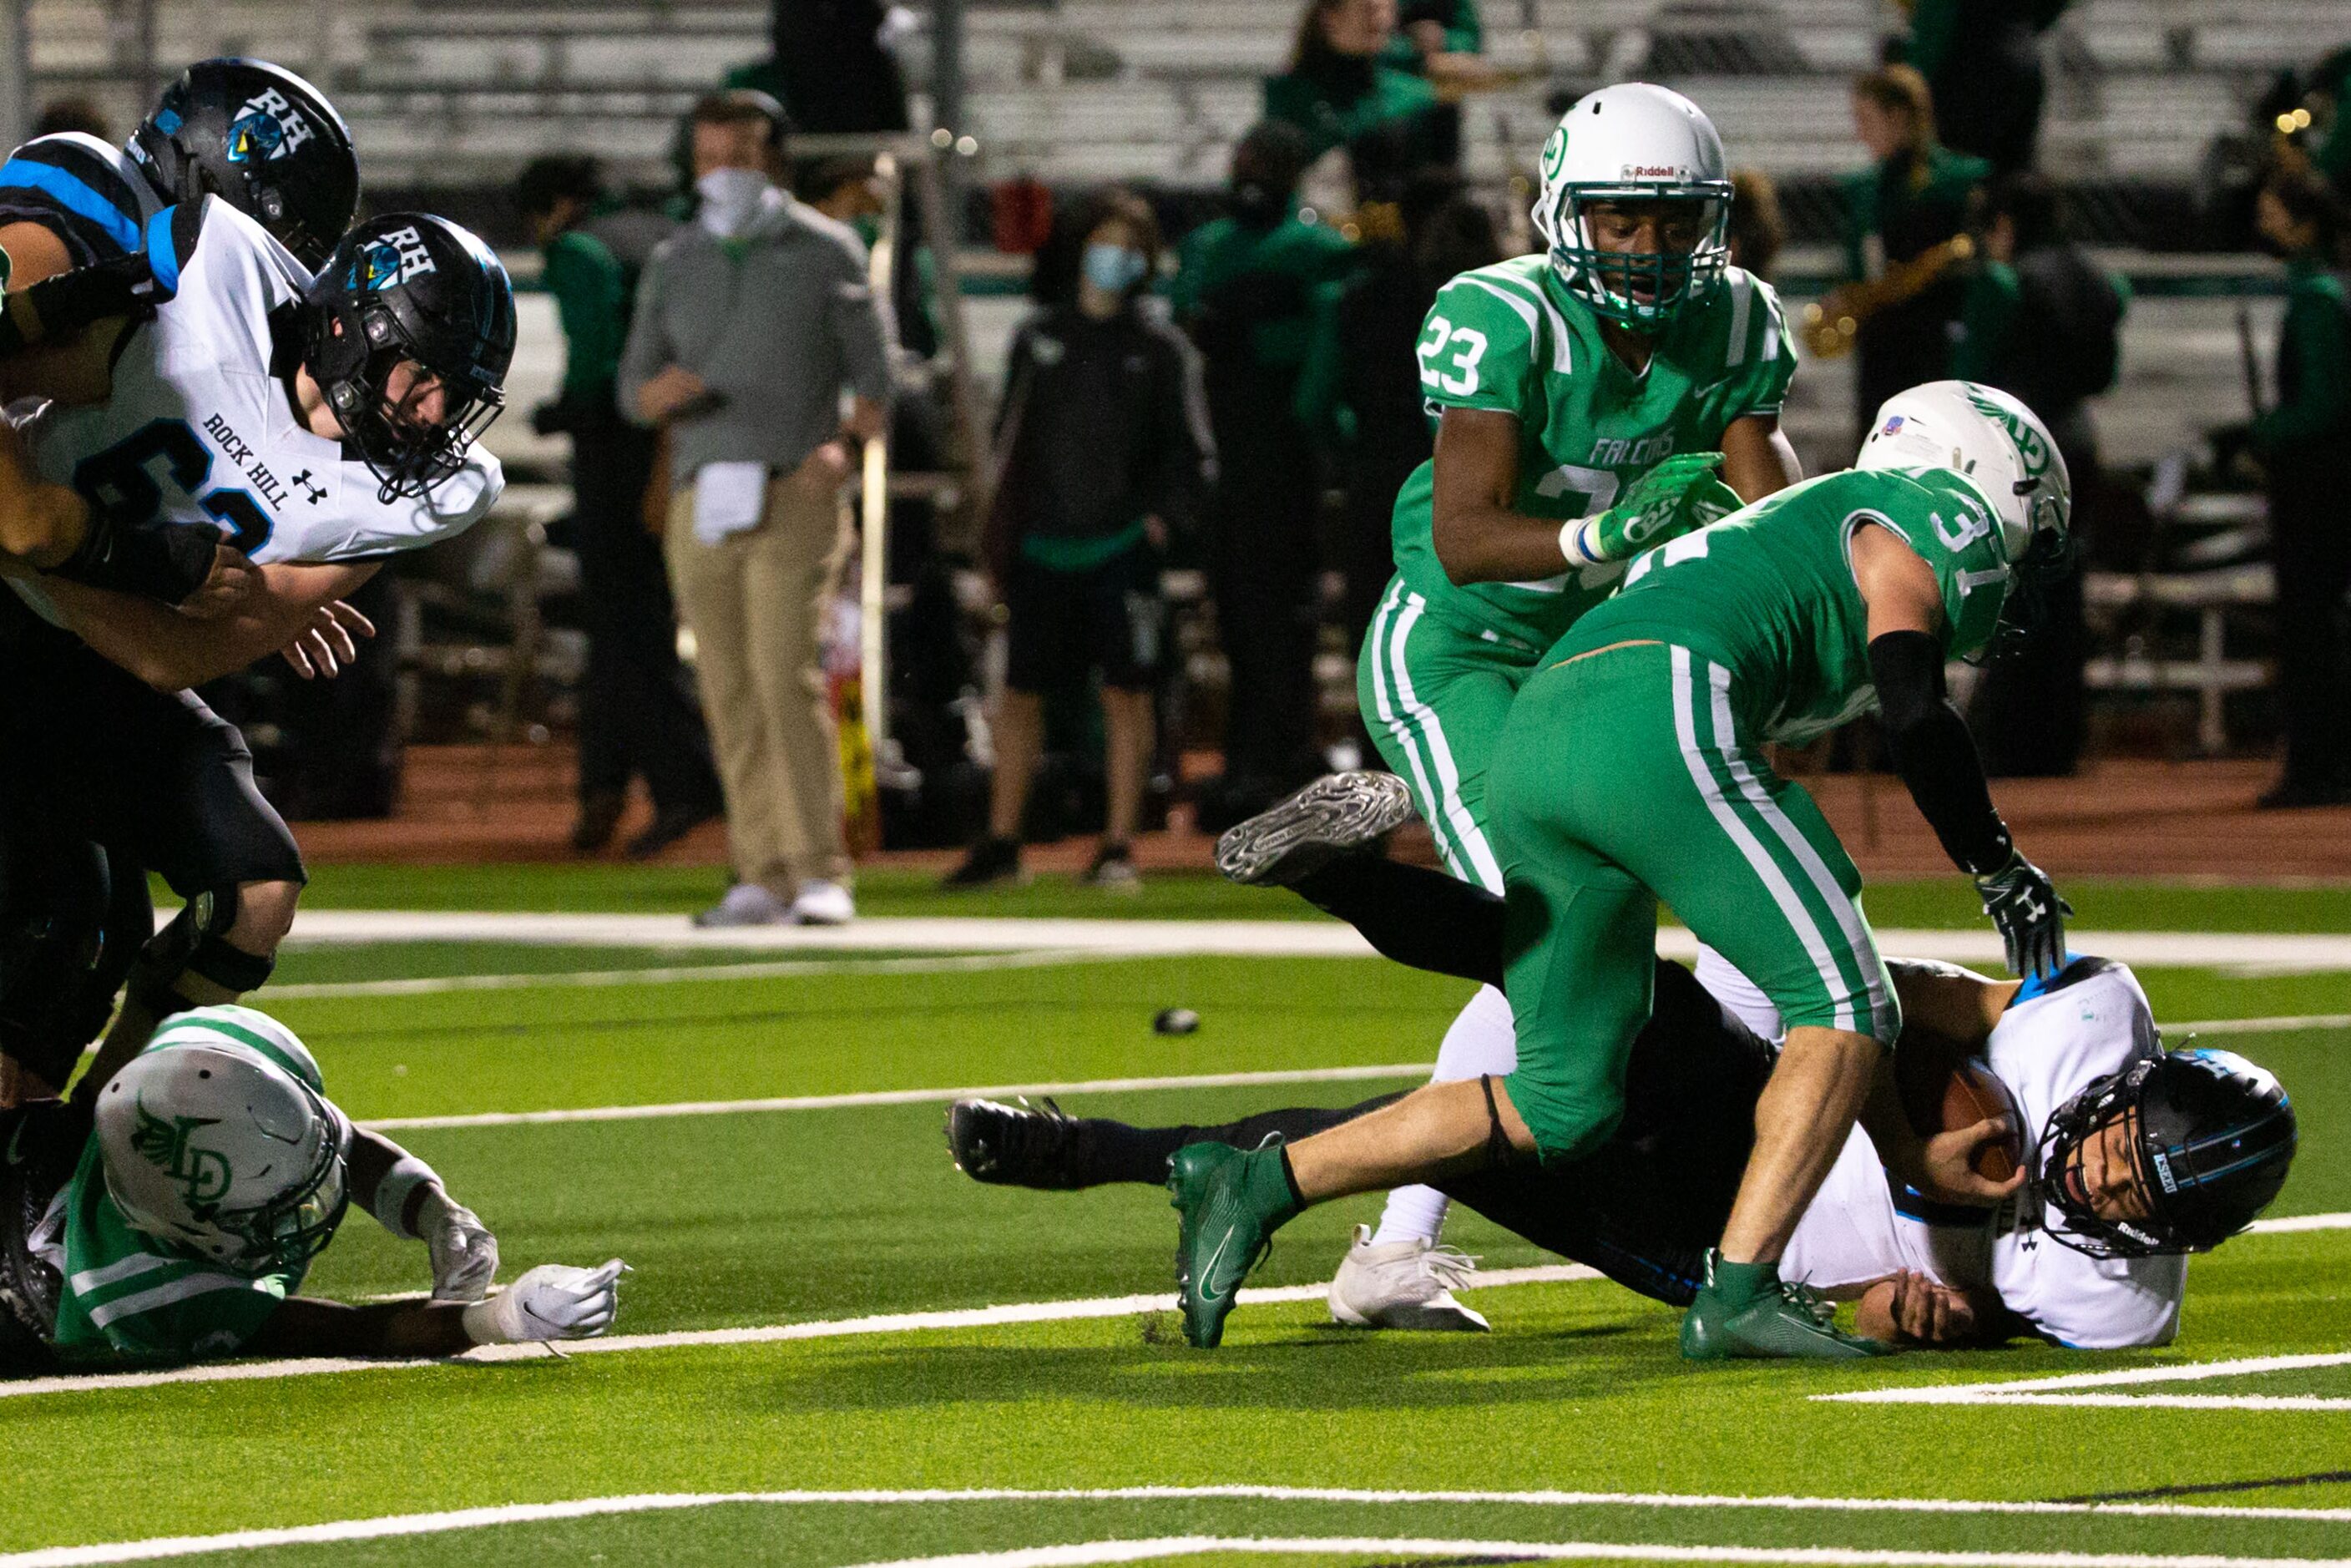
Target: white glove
pixel 548 1302
pixel 464 1254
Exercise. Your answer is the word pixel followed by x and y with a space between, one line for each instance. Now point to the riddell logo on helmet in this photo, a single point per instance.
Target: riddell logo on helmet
pixel 1651 172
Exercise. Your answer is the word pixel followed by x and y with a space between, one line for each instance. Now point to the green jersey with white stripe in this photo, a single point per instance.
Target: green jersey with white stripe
pixel 1508 337
pixel 1768 593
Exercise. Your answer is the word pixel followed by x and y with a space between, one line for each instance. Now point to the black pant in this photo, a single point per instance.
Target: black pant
pixel 1265 567
pixel 2311 544
pixel 636 713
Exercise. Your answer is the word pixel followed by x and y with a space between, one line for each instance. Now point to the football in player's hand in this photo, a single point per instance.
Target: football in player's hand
pixel 1945 1090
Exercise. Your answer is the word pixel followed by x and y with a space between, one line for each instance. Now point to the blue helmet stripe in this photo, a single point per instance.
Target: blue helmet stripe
pixel 163 257
pixel 76 195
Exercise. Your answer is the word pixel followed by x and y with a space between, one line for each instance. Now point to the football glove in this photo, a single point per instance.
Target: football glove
pixel 1677 496
pixel 549 1302
pixel 2023 904
pixel 464 1254
pixel 58 307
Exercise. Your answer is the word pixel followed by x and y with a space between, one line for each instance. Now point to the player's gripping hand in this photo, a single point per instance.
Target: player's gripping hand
pixel 549 1302
pixel 329 644
pixel 1947 1167
pixel 2023 904
pixel 464 1254
pixel 232 579
pixel 1678 495
pixel 1911 1309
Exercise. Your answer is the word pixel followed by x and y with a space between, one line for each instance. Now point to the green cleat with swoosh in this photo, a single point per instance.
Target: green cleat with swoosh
pixel 1231 1202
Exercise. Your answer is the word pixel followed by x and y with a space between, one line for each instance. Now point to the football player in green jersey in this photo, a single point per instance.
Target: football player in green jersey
pixel 1631 770
pixel 177 1223
pixel 1581 396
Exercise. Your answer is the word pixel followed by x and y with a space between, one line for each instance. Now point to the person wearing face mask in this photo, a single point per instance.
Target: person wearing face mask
pixel 1106 446
pixel 2300 442
pixel 1244 289
pixel 752 326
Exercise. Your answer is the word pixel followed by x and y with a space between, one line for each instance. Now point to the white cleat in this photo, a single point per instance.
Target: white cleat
pixel 823 903
pixel 1403 1285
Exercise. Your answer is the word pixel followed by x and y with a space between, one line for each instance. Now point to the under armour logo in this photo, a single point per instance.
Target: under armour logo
pixel 310 492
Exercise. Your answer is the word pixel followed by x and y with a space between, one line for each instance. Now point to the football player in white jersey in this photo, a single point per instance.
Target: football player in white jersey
pixel 317 425
pixel 2137 1156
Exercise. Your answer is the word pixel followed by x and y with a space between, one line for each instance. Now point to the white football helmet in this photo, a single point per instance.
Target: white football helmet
pixel 1634 143
pixel 218 1139
pixel 1994 439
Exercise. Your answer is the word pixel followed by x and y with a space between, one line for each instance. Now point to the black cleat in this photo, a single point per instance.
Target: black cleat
pixel 1334 816
pixel 1019 1146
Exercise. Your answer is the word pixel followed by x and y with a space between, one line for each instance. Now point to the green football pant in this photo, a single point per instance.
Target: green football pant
pixel 1624 779
pixel 1434 695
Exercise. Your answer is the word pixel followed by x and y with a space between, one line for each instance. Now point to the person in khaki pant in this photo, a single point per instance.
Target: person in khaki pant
pixel 752 329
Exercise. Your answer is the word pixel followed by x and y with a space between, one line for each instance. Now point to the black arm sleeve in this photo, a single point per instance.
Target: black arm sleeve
pixel 1933 752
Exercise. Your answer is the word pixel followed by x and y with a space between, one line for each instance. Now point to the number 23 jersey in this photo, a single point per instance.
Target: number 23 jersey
pixel 1509 339
pixel 201 423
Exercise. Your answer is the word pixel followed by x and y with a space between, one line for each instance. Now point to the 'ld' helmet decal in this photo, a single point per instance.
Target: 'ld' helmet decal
pixel 202 1173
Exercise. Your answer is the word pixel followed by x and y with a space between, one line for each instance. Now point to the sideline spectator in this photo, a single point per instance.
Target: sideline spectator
pixel 1913 199
pixel 2043 321
pixel 636 716
pixel 750 325
pixel 1105 444
pixel 1243 291
pixel 1360 392
pixel 1982 59
pixel 1339 93
pixel 73 113
pixel 2301 441
pixel 832 67
pixel 1757 231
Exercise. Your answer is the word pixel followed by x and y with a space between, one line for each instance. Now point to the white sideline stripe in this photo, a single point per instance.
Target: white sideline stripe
pixel 830 1328
pixel 414 1524
pixel 682 974
pixel 2251 951
pixel 2068 1389
pixel 1095 1552
pixel 2260 1026
pixel 894 1097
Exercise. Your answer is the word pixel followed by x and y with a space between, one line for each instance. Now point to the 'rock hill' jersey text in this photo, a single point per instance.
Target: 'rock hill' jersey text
pixel 201 424
pixel 1507 338
pixel 2051 1043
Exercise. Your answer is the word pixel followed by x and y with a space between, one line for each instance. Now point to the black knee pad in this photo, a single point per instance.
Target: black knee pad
pixel 52 936
pixel 196 946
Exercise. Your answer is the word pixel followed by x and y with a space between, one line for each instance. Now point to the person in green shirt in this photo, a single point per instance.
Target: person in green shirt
pixel 1583 396
pixel 1632 772
pixel 637 715
pixel 1982 59
pixel 1342 91
pixel 2300 442
pixel 173 1216
pixel 1914 198
pixel 1243 288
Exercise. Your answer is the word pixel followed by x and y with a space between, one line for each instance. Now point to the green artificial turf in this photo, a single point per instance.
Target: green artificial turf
pixel 750 1218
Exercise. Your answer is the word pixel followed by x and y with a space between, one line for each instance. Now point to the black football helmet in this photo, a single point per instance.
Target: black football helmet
pixel 261 138
pixel 409 285
pixel 2211 1138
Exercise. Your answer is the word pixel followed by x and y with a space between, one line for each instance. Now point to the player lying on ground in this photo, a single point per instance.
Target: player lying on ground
pixel 2137 1156
pixel 1631 770
pixel 179 1227
pixel 234 409
pixel 1581 394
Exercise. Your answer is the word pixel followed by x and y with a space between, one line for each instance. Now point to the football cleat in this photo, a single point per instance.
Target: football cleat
pixel 1404 1284
pixel 1335 815
pixel 1782 1320
pixel 1039 1146
pixel 1231 1201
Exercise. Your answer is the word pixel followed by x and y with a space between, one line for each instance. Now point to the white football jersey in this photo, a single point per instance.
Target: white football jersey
pixel 199 427
pixel 2046 1048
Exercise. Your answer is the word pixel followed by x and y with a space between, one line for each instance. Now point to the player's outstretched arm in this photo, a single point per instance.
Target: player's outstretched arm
pixel 171 652
pixel 1756 458
pixel 549 1302
pixel 1936 756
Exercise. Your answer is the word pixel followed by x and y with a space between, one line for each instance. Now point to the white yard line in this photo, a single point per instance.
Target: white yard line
pixel 2249 951
pixel 417 1524
pixel 2073 1388
pixel 895 1097
pixel 685 974
pixel 834 1328
pixel 1080 1554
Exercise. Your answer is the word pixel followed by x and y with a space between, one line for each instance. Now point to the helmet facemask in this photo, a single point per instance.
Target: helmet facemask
pixel 408 454
pixel 1640 289
pixel 2060 1174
